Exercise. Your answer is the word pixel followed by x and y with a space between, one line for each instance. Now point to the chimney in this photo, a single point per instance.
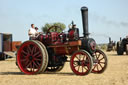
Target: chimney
pixel 109 39
pixel 84 12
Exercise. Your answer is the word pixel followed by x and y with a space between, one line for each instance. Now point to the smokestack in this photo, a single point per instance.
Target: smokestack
pixel 120 38
pixel 84 12
pixel 109 39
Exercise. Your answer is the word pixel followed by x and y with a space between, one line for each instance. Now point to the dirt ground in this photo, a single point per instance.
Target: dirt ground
pixel 116 74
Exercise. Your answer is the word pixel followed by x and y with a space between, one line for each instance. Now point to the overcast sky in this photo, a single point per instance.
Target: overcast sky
pixel 106 17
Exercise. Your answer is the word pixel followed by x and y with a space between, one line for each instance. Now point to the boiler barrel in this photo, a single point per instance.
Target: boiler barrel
pixel 84 12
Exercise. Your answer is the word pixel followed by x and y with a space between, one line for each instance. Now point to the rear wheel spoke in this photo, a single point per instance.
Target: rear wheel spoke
pixel 28 65
pixel 31 67
pixel 36 53
pixel 24 52
pixel 33 50
pixel 23 60
pixel 35 65
pixel 29 49
pixel 38 59
pixel 38 63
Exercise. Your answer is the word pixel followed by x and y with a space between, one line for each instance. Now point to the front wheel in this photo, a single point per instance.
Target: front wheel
pixel 100 62
pixel 81 63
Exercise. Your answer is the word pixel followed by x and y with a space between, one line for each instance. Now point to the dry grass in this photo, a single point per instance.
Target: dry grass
pixel 116 74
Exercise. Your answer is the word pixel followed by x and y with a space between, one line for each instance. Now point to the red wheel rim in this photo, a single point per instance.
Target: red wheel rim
pixel 100 62
pixel 29 57
pixel 80 63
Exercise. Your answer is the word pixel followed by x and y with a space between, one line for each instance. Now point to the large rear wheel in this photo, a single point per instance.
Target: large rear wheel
pixel 81 63
pixel 46 58
pixel 31 57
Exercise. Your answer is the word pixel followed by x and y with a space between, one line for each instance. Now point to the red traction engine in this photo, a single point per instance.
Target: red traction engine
pixel 50 51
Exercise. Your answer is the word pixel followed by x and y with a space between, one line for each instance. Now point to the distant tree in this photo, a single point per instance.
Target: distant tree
pixel 58 24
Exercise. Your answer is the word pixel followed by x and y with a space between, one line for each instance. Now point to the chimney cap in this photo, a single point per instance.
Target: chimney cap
pixel 84 8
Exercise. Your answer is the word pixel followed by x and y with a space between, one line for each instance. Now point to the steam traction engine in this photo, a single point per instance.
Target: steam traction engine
pixel 122 46
pixel 49 52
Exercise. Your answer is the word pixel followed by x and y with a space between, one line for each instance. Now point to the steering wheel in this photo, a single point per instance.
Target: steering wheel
pixel 53 27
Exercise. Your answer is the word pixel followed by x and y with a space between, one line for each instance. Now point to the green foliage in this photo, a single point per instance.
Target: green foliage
pixel 102 46
pixel 58 24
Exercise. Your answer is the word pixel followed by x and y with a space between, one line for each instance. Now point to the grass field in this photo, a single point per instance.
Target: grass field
pixel 115 74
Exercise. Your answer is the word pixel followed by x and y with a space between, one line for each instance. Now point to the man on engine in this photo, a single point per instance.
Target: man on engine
pixel 32 32
pixel 73 32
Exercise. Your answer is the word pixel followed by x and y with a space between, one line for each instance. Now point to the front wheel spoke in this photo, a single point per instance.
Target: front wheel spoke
pixel 94 67
pixel 85 68
pixel 102 62
pixel 97 68
pixel 77 58
pixel 75 64
pixel 98 56
pixel 78 68
pixel 82 69
pixel 88 66
pixel 95 54
pixel 84 57
pixel 101 59
pixel 100 65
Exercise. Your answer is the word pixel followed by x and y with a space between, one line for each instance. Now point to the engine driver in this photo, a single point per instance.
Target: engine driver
pixel 32 32
pixel 73 32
